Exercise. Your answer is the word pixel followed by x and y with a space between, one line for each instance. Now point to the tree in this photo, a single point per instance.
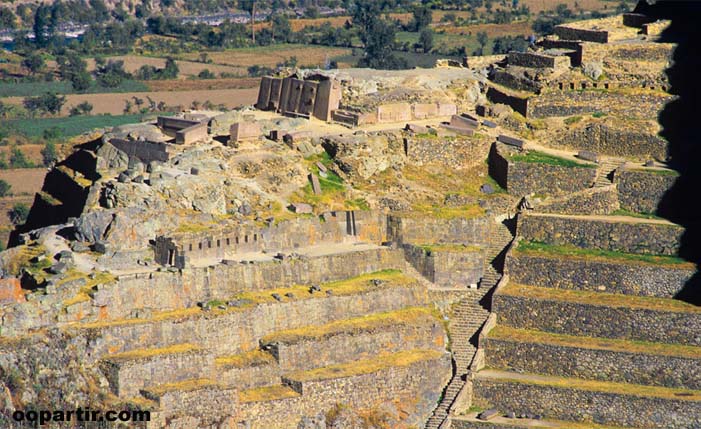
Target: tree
pixel 251 6
pixel 49 102
pixel 19 213
pixel 8 19
pixel 73 69
pixel 34 62
pixel 366 13
pixel 426 39
pixel 378 49
pixel 281 27
pixel 48 153
pixel 421 19
pixel 482 39
pixel 17 159
pixel 4 188
pixel 111 74
pixel 41 25
pixel 171 70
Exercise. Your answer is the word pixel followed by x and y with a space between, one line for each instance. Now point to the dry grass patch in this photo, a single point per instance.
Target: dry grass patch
pixel 368 366
pixel 600 298
pixel 268 393
pixel 183 386
pixel 270 56
pixel 150 353
pixel 411 316
pixel 642 347
pixel 245 360
pixel 608 387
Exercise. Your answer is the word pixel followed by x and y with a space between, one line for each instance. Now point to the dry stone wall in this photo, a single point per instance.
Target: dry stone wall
pixel 447 268
pixel 454 153
pixel 628 278
pixel 571 404
pixel 525 178
pixel 642 191
pixel 417 386
pixel 590 320
pixel 607 139
pixel 234 331
pixel 589 363
pixel 633 237
pixel 169 290
pixel 630 105
pixel 402 229
pixel 599 201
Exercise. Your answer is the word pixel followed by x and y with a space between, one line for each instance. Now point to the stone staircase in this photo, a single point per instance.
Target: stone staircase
pixel 605 171
pixel 466 321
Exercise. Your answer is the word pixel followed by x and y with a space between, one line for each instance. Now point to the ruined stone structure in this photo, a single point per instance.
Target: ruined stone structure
pixel 471 273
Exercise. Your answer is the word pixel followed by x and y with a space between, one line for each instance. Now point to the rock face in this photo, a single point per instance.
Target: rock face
pixel 364 155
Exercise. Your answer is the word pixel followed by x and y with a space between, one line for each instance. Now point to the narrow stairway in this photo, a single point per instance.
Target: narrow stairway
pixel 467 320
pixel 605 170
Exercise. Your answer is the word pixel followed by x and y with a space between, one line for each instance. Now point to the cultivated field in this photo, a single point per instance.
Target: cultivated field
pixel 202 84
pixel 24 181
pixel 31 151
pixel 539 5
pixel 113 104
pixel 132 63
pixel 270 56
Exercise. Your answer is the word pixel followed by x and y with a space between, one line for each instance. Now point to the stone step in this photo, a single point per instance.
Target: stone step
pixel 130 372
pixel 248 370
pixel 585 400
pixel 356 338
pixel 598 314
pixel 608 233
pixel 636 362
pixel 253 315
pixel 584 269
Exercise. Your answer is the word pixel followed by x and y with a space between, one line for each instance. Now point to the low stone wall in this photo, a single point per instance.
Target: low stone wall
pixel 206 402
pixel 525 178
pixel 607 139
pixel 571 33
pixel 160 291
pixel 403 229
pixel 586 406
pixel 127 378
pixel 447 268
pixel 418 386
pixel 639 237
pixel 642 191
pixel 234 331
pixel 537 60
pixel 455 153
pixel 594 201
pixel 628 278
pixel 335 227
pixel 630 105
pixel 586 363
pixel 592 320
pixel 346 347
pixel 645 52
pixel 250 377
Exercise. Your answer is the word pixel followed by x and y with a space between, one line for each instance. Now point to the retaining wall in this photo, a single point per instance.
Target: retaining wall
pixel 635 237
pixel 642 191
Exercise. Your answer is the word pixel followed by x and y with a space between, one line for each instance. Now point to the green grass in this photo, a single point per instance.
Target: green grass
pixel 536 248
pixel 69 127
pixel 623 212
pixel 544 158
pixel 658 172
pixel 30 89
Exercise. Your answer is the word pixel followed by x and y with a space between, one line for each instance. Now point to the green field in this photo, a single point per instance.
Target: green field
pixel 69 127
pixel 27 89
pixel 544 158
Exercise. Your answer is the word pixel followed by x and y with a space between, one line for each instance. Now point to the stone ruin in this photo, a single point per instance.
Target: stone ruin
pixel 477 312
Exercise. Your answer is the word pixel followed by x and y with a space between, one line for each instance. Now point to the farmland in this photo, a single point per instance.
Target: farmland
pixel 69 127
pixel 270 56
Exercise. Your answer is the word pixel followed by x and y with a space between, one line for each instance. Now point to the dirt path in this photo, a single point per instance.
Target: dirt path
pixel 623 219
